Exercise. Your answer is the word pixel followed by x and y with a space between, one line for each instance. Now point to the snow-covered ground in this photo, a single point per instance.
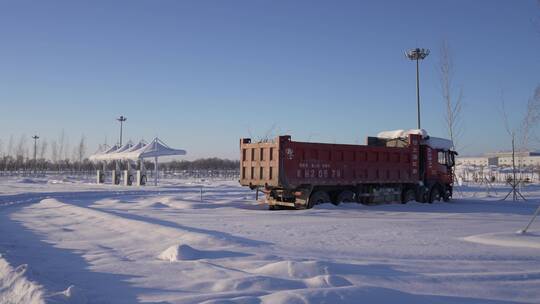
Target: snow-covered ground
pixel 64 241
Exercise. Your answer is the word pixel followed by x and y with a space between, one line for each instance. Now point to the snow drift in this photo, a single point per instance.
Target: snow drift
pixel 15 287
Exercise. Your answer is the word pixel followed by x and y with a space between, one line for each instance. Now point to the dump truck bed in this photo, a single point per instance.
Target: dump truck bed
pixel 284 163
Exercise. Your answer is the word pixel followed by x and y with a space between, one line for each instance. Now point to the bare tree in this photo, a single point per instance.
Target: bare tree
pixel 81 150
pixel 43 148
pixel 530 120
pixel 21 151
pixel 42 151
pixel 453 103
pixel 10 146
pixel 61 144
pixel 268 135
pixel 54 151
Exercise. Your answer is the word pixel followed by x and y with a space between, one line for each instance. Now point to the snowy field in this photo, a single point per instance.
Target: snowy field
pixel 64 241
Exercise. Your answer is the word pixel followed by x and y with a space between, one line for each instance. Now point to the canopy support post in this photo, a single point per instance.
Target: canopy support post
pixel 157 171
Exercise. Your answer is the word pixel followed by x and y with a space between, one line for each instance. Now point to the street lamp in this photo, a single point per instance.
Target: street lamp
pixel 35 137
pixel 121 119
pixel 417 54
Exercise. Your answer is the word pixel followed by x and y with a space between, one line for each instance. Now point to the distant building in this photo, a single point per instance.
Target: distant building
pixel 480 161
pixel 522 159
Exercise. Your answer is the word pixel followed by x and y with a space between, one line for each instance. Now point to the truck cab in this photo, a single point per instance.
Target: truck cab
pixel 437 169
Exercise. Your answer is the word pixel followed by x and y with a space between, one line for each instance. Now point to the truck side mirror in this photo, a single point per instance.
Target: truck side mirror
pixel 451 159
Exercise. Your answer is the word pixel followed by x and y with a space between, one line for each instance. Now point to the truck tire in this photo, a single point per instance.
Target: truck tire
pixel 345 196
pixel 434 194
pixel 422 195
pixel 446 195
pixel 408 196
pixel 318 197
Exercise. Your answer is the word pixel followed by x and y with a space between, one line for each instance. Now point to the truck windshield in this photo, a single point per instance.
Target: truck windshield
pixel 442 157
pixel 445 158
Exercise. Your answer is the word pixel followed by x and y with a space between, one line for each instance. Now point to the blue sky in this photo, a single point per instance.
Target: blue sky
pixel 202 74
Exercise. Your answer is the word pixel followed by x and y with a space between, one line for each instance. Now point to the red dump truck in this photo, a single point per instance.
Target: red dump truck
pixel 399 166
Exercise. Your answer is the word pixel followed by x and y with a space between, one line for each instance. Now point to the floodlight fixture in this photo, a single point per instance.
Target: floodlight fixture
pixel 121 119
pixel 417 54
pixel 35 137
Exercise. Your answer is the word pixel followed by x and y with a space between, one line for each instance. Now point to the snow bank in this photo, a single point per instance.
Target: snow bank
pixel 293 269
pixel 326 281
pixel 185 252
pixel 507 239
pixel 16 288
pixel 159 205
pixel 32 181
pixel 180 253
pixel 72 295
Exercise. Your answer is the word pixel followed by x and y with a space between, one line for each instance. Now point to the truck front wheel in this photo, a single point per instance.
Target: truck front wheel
pixel 318 197
pixel 446 196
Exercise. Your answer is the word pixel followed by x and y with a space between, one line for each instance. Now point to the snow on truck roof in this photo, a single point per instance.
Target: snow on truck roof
pixel 401 133
pixel 434 142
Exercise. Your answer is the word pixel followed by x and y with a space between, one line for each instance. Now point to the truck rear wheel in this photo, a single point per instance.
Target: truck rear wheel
pixel 318 197
pixel 345 196
pixel 434 194
pixel 408 196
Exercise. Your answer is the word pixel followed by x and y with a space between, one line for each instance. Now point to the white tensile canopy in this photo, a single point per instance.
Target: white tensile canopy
pixel 154 149
pixel 109 154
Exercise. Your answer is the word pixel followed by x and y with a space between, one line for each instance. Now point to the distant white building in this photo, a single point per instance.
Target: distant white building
pixel 480 161
pixel 503 159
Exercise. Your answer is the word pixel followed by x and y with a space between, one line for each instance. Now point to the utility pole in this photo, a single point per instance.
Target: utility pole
pixel 417 54
pixel 121 119
pixel 35 137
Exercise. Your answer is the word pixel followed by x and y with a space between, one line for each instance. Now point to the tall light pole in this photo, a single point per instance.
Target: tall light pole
pixel 121 119
pixel 35 137
pixel 417 54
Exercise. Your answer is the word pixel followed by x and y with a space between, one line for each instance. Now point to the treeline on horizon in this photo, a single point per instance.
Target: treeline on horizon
pixel 20 154
pixel 10 163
